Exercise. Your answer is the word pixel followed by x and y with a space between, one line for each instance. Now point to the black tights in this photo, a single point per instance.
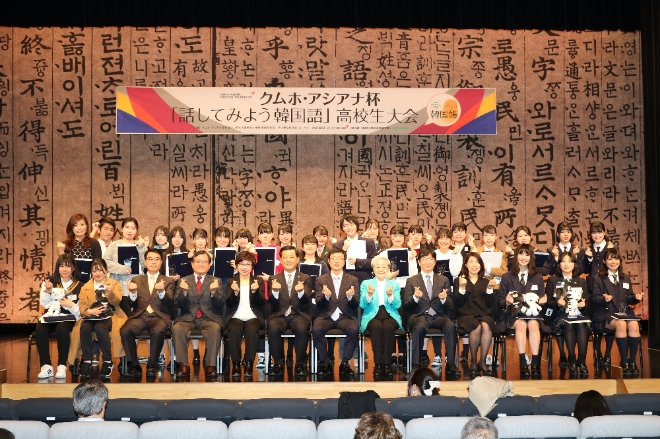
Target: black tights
pixel 576 333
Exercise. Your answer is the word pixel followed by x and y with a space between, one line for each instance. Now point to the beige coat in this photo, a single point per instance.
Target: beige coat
pixel 86 299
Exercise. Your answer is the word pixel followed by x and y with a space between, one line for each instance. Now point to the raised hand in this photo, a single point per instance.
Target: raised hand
pixel 347 244
pixel 350 292
pixel 589 253
pixel 133 286
pixel 214 285
pixel 607 297
pixel 443 294
pixel 609 244
pixel 389 291
pixel 370 289
pixel 254 286
pixel 555 252
pixel 60 247
pixel 508 249
pixel 326 292
pixel 418 292
pixel 276 285
pixel 49 285
pixel 462 283
pixel 639 296
pixel 299 286
pixel 492 283
pixel 543 300
pixel 235 287
pixel 509 299
pixel 183 285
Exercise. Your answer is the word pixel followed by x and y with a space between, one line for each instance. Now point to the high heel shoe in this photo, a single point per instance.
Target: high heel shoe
pixel 484 371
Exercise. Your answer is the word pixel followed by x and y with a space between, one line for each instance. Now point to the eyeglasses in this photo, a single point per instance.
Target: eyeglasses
pixel 153 259
pixel 427 259
pixel 201 261
pixel 245 264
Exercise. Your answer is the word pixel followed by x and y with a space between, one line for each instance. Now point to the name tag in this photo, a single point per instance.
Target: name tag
pixel 72 297
pixel 535 287
pixel 626 285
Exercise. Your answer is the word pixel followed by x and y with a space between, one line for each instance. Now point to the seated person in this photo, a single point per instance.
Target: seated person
pixel 291 308
pixel 423 383
pixel 201 300
pixel 337 299
pixel 90 400
pixel 151 296
pixel 428 300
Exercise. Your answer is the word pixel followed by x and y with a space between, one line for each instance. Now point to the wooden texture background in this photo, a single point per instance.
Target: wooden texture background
pixel 569 143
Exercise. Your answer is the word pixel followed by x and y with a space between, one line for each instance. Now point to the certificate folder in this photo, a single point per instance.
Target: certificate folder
pixel 128 255
pixel 313 270
pixel 399 261
pixel 84 267
pixel 222 262
pixel 178 264
pixel 266 261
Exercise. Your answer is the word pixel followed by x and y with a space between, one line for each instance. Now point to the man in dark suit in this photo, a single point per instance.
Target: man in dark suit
pixel 337 300
pixel 429 304
pixel 151 295
pixel 290 302
pixel 349 225
pixel 201 300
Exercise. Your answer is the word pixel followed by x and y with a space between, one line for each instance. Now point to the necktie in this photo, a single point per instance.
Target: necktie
pixel 198 314
pixel 337 282
pixel 615 279
pixel 152 282
pixel 429 291
pixel 319 252
pixel 522 279
pixel 289 282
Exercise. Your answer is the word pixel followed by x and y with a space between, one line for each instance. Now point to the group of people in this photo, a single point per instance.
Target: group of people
pixel 442 283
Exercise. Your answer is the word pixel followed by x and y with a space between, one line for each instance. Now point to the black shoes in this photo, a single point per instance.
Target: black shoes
pixel 106 370
pixel 276 370
pixel 85 369
pixel 452 371
pixel 133 371
pixel 425 360
pixel 378 371
pixel 633 370
pixel 584 372
pixel 388 372
pixel 536 370
pixel 300 370
pixel 248 368
pixel 524 370
pixel 152 372
pixel 196 359
pixel 345 369
pixel 573 370
pixel 236 369
pixel 325 368
pixel 563 362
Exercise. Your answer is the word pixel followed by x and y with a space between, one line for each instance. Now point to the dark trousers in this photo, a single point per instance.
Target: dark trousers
pixel 276 327
pixel 423 323
pixel 346 324
pixel 63 331
pixel 134 326
pixel 381 330
pixel 237 329
pixel 102 329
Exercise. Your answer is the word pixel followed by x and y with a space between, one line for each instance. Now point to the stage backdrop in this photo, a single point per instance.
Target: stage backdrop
pixel 569 142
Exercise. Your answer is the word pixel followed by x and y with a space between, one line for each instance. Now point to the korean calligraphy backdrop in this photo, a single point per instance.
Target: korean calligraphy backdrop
pixel 569 144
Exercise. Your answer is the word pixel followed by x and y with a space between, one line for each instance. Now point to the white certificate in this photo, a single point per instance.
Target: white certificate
pixel 492 259
pixel 357 250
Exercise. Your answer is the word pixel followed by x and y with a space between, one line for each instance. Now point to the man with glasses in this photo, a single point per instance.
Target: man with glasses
pixel 428 300
pixel 151 295
pixel 201 300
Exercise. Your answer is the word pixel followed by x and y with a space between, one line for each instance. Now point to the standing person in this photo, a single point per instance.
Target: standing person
pixel 463 241
pixel 78 242
pixel 337 299
pixel 372 230
pixel 324 243
pixel 245 317
pixel 398 242
pixel 176 243
pixel 523 278
pixel 104 230
pixel 428 300
pixel 222 238
pixel 564 238
pixel 522 235
pixel 202 311
pixel 118 271
pixel 612 298
pixel 151 296
pixel 161 238
pixel 489 239
pixel 66 277
pixel 107 330
pixel 285 235
pixel 350 226
pixel 380 298
pixel 575 329
pixel 291 308
pixel 418 239
pixel 473 301
pixel 310 254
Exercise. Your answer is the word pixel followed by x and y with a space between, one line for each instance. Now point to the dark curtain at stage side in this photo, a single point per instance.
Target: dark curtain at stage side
pixel 651 69
pixel 458 14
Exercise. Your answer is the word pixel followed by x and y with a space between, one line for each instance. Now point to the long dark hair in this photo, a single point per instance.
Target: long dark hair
pixel 465 272
pixel 590 403
pixel 611 253
pixel 531 266
pixel 70 237
pixel 182 233
pixel 69 261
pixel 421 379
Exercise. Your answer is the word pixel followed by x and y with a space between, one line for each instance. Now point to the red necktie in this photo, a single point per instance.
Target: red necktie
pixel 198 314
pixel 417 251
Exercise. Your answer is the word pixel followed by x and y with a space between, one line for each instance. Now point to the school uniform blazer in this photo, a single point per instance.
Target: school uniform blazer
pixel 209 301
pixel 324 253
pixel 114 295
pixel 551 265
pixel 257 299
pixel 302 306
pixel 511 282
pixel 592 267
pixel 145 297
pixel 418 308
pixel 371 309
pixel 326 307
pixel 603 285
pixel 496 271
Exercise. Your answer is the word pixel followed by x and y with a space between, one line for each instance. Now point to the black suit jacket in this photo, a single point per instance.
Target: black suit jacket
pixel 417 309
pixel 288 298
pixel 363 270
pixel 603 285
pixel 257 300
pixel 325 308
pixel 210 302
pixel 146 298
pixel 592 267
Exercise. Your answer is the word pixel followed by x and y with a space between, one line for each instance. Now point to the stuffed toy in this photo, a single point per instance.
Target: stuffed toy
pixel 573 297
pixel 54 308
pixel 531 305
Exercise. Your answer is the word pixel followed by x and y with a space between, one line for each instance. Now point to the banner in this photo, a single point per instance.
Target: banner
pixel 298 110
